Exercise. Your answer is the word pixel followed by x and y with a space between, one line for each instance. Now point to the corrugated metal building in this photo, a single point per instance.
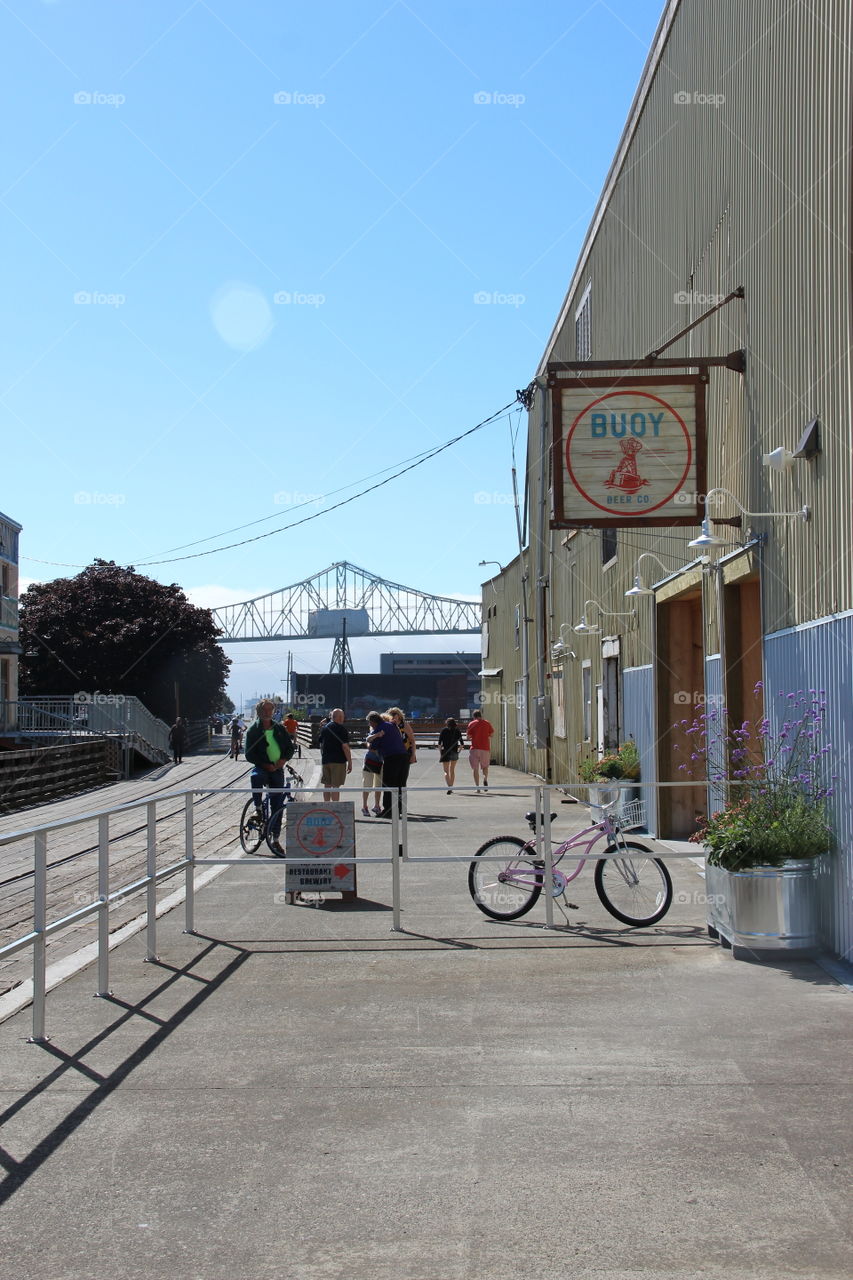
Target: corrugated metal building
pixel 734 170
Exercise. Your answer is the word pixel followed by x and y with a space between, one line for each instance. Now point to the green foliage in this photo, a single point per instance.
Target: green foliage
pixel 115 631
pixel 766 829
pixel 624 762
pixel 778 808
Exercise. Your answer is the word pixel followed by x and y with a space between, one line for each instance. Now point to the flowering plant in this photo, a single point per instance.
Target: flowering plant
pixel 624 762
pixel 778 811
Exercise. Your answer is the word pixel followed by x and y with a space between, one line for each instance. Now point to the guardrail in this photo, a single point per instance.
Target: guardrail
pixel 397 856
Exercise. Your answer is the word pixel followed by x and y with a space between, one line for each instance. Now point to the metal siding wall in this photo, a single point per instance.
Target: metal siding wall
pixel 639 720
pixel 819 657
pixel 714 698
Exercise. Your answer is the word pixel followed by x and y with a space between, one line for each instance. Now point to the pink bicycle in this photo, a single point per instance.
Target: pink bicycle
pixel 631 883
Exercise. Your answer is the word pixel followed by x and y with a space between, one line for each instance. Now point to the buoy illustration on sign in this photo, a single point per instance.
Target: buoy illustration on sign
pixel 626 475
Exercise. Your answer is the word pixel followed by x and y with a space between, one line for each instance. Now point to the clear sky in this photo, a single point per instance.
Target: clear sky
pixel 257 253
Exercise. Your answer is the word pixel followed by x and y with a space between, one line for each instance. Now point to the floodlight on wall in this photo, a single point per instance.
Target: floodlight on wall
pixel 638 589
pixel 807 448
pixel 585 628
pixel 709 539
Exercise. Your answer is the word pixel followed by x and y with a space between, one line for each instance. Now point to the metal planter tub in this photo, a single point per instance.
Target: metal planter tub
pixel 765 908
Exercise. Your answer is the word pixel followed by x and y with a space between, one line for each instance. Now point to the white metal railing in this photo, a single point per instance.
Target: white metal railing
pixel 397 856
pixel 94 713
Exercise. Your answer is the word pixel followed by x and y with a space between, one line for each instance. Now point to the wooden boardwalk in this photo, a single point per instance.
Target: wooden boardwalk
pixel 72 854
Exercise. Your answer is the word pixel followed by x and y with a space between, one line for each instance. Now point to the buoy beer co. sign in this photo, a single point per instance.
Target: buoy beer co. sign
pixel 628 451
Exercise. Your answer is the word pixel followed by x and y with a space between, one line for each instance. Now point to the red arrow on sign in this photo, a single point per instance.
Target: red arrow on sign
pixel 341 871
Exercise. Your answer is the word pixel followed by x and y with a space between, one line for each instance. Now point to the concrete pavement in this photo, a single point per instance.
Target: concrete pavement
pixel 297 1093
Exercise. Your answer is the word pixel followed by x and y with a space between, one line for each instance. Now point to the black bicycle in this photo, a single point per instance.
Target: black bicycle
pixel 255 825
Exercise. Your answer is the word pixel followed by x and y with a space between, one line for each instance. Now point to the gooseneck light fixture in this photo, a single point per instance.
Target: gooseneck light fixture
pixel 708 539
pixel 638 589
pixel 559 649
pixel 584 628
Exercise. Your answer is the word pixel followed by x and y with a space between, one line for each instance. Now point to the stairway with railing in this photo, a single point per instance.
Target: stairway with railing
pixel 67 717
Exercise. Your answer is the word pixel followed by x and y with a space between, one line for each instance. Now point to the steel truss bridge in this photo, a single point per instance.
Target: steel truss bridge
pixel 345 597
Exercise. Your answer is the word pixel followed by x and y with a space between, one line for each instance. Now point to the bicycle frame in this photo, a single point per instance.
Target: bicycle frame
pixel 606 829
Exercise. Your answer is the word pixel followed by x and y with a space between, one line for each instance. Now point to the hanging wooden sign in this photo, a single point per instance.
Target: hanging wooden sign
pixel 628 451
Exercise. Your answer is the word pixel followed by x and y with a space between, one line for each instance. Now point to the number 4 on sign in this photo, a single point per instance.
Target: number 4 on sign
pixel 319 841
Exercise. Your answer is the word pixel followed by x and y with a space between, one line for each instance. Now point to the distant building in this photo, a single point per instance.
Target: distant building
pixel 425 685
pixel 10 646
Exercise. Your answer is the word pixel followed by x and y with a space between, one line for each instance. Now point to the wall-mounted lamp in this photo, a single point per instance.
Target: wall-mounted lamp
pixel 808 447
pixel 584 628
pixel 559 649
pixel 638 589
pixel 708 539
pixel 497 562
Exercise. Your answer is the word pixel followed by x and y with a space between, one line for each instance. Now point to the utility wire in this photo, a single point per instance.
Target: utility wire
pixel 344 501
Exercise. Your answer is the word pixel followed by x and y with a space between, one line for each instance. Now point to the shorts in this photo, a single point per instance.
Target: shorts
pixel 333 775
pixel 371 781
pixel 479 759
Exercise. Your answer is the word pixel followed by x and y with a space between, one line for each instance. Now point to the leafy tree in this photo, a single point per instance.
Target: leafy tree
pixel 112 630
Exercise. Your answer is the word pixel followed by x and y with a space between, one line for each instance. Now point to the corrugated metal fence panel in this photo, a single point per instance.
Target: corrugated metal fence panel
pixel 820 657
pixel 714 699
pixel 638 702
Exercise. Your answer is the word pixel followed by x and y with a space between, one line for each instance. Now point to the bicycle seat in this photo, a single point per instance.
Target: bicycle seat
pixel 533 817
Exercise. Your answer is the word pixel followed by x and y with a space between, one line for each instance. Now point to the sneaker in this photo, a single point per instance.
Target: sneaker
pixel 377 811
pixel 365 813
pixel 450 791
pixel 277 850
pixel 485 785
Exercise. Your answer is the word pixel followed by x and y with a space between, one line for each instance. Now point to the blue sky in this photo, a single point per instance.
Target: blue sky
pixel 244 246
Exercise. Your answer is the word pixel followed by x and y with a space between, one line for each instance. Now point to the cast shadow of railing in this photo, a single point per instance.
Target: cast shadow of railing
pixel 18 1171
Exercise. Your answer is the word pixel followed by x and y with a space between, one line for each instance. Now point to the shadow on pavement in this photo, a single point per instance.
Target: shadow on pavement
pixel 19 1171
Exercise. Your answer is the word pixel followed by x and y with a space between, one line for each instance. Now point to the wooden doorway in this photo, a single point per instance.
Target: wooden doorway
pixel 680 697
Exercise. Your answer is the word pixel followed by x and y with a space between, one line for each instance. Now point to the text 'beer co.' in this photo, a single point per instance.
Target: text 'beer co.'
pixel 628 451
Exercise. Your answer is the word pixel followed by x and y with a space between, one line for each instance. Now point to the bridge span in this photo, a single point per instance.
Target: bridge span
pixel 345 597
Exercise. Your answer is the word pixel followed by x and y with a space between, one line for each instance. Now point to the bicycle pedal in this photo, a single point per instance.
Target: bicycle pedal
pixel 573 906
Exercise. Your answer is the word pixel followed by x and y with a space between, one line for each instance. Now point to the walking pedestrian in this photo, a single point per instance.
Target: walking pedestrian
pixel 291 724
pixel 388 741
pixel 178 740
pixel 449 745
pixel 335 755
pixel 478 733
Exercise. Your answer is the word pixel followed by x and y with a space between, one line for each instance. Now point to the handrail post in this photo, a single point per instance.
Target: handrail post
pixel 404 823
pixel 395 866
pixel 40 944
pixel 189 853
pixel 104 910
pixel 151 871
pixel 549 858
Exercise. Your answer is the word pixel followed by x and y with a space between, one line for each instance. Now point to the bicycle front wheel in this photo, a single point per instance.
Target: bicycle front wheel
pixel 636 888
pixel 504 889
pixel 251 828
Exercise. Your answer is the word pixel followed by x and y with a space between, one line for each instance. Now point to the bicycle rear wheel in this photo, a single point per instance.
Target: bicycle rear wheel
pixel 252 830
pixel 507 889
pixel 637 888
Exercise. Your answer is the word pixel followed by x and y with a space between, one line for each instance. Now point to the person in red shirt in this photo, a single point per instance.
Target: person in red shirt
pixel 478 732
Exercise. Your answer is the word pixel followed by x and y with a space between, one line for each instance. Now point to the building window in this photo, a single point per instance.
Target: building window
pixel 558 703
pixel 518 626
pixel 586 700
pixel 608 545
pixel 583 326
pixel 520 709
